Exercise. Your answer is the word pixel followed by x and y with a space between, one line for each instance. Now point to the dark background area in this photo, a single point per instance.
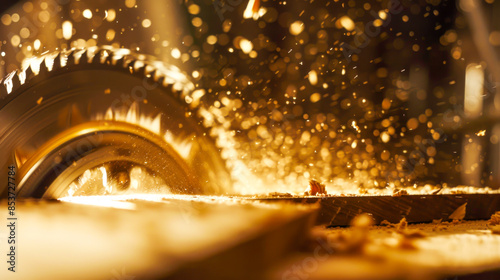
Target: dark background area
pixel 5 4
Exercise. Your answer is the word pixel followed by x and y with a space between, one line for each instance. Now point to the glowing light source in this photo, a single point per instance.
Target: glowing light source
pixel 37 44
pixel 176 53
pixel 110 15
pixel 474 78
pixel 146 23
pixel 313 77
pixel 102 201
pixel 296 27
pixel 253 10
pixel 67 29
pixel 347 23
pixel 246 46
pixel 87 14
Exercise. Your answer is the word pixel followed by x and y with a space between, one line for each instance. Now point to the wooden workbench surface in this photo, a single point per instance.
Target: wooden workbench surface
pixel 424 251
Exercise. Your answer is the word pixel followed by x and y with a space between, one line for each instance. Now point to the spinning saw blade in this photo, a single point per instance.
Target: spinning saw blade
pixel 73 111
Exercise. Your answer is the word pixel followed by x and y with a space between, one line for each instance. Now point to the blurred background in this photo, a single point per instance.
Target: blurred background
pixel 360 95
pixel 370 97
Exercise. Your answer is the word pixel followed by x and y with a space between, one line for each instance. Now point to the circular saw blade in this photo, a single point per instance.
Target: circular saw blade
pixel 59 107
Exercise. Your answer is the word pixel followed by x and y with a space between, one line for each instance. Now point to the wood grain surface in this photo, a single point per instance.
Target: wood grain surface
pixel 339 211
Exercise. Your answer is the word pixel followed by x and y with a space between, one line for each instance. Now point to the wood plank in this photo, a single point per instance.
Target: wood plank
pixel 339 210
pixel 453 251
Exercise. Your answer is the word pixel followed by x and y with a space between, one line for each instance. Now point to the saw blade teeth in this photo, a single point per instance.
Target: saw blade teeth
pixel 7 82
pixel 3 89
pixel 160 80
pixel 131 66
pixel 22 76
pixel 137 65
pixel 169 87
pixel 107 55
pixel 16 82
pixel 98 55
pixel 28 73
pixel 179 92
pixel 109 58
pixel 57 62
pixel 84 58
pixel 120 62
pixel 166 85
pixel 70 60
pixel 43 68
pixel 152 76
pixel 141 71
pixel 33 70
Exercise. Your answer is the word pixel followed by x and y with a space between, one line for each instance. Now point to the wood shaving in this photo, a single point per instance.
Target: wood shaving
pixel 495 219
pixel 437 221
pixel 386 223
pixel 406 237
pixel 437 191
pixel 459 213
pixel 402 225
pixel 398 192
pixel 315 188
